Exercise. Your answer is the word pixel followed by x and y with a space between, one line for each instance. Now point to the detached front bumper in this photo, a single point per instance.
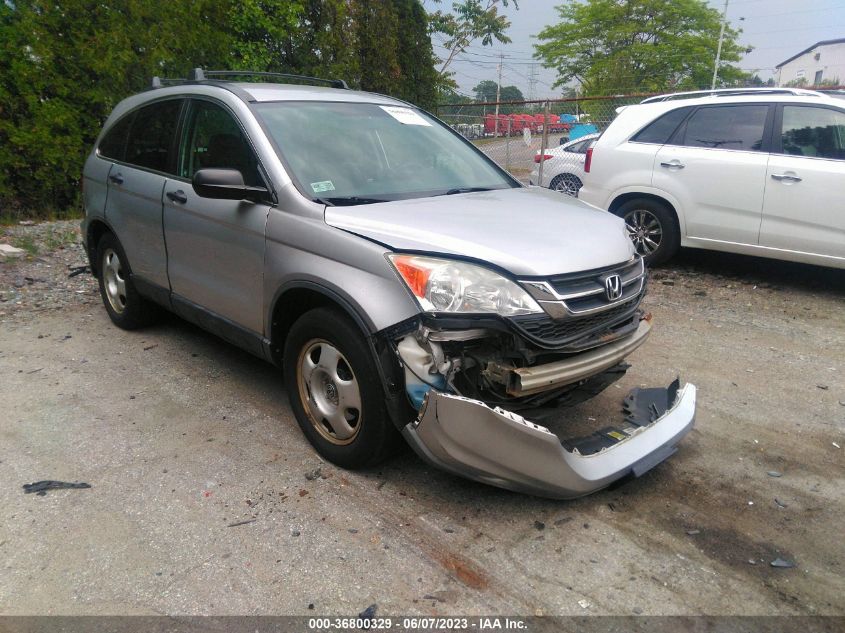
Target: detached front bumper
pixel 468 438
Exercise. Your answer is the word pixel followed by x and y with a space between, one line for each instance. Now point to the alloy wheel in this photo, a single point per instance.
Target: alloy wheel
pixel 645 231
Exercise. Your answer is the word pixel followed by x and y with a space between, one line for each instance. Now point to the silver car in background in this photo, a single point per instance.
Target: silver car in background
pixel 407 285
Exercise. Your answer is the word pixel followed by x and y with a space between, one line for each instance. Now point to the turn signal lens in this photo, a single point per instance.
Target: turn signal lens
pixel 414 272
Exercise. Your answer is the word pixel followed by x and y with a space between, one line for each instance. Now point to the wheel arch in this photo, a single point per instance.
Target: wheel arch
pixel 95 231
pixel 621 199
pixel 294 299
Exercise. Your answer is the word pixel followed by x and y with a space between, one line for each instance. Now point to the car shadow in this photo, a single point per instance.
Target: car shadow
pixel 404 471
pixel 756 270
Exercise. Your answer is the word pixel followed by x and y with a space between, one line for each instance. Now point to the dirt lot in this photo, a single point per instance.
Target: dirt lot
pixel 181 436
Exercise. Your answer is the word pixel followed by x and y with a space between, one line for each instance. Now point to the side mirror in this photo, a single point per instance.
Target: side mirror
pixel 226 184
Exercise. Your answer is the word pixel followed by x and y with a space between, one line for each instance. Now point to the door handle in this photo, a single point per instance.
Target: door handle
pixel 177 196
pixel 117 178
pixel 673 164
pixel 787 178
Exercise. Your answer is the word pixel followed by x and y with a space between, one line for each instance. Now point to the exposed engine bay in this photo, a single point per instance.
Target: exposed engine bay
pixel 483 394
pixel 501 368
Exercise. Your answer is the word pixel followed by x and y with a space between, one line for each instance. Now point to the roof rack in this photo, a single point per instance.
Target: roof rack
pixel 198 75
pixel 733 92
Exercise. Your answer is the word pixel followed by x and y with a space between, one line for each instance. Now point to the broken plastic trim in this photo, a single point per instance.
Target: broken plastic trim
pixel 468 438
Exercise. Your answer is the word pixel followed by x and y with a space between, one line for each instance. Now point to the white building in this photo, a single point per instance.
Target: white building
pixel 823 61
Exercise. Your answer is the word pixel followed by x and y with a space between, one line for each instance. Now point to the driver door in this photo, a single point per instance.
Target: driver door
pixel 215 248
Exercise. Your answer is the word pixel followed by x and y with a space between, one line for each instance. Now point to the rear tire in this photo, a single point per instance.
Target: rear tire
pixel 126 308
pixel 335 391
pixel 569 184
pixel 652 227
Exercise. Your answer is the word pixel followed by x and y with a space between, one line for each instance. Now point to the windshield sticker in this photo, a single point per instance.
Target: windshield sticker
pixel 405 115
pixel 323 185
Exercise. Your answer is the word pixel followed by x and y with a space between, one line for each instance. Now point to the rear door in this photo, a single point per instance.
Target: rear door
pixel 715 166
pixel 135 184
pixel 216 247
pixel 803 209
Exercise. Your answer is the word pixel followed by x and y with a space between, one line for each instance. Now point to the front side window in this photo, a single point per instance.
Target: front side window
pixel 811 131
pixel 150 142
pixel 358 153
pixel 214 139
pixel 737 127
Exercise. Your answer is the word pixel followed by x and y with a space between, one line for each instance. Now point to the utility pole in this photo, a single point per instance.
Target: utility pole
pixel 498 92
pixel 532 82
pixel 719 48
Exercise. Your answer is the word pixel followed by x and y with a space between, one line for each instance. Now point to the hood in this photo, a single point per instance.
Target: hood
pixel 528 231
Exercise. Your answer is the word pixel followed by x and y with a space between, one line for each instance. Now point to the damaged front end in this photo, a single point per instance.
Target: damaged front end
pixel 485 389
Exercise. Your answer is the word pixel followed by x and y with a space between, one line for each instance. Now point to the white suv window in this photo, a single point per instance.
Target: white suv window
pixel 737 127
pixel 811 131
pixel 661 129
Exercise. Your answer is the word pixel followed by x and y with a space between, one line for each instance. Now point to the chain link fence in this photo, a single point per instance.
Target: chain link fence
pixel 538 142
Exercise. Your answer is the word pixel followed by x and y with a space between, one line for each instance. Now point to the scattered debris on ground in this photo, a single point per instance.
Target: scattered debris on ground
pixel 46 270
pixel 40 488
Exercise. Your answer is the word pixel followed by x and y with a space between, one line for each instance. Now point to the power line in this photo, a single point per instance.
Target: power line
pixel 776 15
pixel 803 28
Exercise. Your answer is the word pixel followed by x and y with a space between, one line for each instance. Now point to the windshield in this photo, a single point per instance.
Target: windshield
pixel 361 153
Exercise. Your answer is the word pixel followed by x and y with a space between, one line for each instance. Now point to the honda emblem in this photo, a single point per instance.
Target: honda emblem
pixel 613 287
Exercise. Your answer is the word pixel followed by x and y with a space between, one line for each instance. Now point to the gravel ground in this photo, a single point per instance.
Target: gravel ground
pixel 183 437
pixel 38 281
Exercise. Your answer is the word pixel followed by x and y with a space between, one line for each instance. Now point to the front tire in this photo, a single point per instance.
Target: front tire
pixel 652 227
pixel 126 308
pixel 335 391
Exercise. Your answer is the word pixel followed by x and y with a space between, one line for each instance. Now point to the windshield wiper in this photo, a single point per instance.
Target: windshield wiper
pixel 467 190
pixel 348 201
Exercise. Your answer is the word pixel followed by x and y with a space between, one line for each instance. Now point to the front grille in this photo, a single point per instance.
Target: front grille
pixel 577 305
pixel 549 332
pixel 591 285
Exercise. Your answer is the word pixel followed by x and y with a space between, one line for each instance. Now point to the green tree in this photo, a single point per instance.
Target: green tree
pixel 64 66
pixel 469 21
pixel 418 78
pixel 485 91
pixel 625 46
pixel 260 30
pixel 377 26
pixel 323 43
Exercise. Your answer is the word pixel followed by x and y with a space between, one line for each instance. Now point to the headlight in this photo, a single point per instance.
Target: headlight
pixel 445 285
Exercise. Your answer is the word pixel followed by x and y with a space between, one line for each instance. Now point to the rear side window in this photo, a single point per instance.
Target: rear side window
pixel 579 148
pixel 816 132
pixel 151 135
pixel 737 127
pixel 113 144
pixel 660 130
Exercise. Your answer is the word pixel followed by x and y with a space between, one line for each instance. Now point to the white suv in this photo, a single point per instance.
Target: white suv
pixel 759 172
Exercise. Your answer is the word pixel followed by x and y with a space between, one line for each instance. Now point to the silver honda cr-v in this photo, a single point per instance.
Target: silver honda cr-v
pixel 406 284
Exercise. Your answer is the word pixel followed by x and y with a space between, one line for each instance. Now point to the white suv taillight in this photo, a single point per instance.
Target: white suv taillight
pixel 588 160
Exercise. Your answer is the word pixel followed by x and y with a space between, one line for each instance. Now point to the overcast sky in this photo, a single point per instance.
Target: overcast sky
pixel 777 29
